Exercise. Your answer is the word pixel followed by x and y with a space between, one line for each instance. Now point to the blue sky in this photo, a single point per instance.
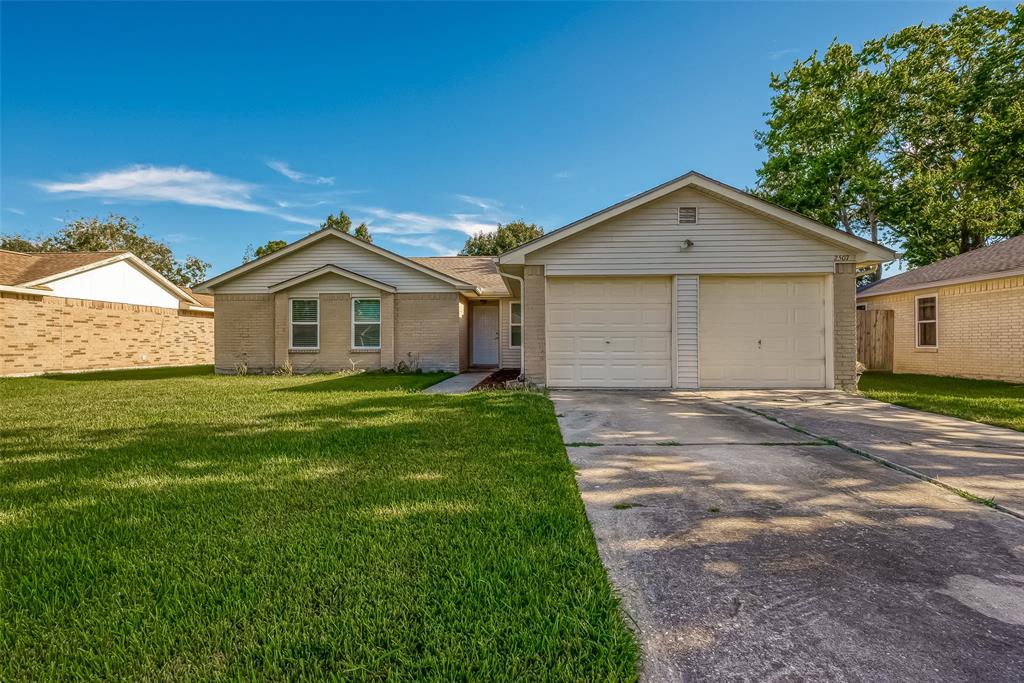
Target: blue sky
pixel 223 125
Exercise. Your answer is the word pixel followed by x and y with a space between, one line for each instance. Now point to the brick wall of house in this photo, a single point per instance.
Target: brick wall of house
pixel 54 334
pixel 428 330
pixel 534 341
pixel 980 330
pixel 244 332
pixel 844 326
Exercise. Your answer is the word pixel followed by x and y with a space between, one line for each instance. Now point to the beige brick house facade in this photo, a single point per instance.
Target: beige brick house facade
pixel 980 329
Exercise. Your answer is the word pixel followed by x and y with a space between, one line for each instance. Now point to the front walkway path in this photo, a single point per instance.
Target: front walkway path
pixel 985 461
pixel 459 384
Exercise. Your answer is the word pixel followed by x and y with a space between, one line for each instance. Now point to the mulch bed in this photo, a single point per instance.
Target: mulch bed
pixel 497 379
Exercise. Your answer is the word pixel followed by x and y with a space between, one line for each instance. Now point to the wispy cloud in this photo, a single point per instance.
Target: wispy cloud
pixel 389 222
pixel 178 238
pixel 15 211
pixel 563 175
pixel 178 184
pixel 779 54
pixel 431 243
pixel 298 176
pixel 479 202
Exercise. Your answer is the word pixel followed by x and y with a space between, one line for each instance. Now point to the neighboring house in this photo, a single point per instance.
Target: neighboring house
pixel 690 284
pixel 962 316
pixel 96 310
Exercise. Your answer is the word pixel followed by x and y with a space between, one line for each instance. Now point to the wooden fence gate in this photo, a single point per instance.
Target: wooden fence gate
pixel 875 339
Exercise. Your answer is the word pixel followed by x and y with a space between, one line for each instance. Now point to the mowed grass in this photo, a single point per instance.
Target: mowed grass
pixel 995 403
pixel 175 525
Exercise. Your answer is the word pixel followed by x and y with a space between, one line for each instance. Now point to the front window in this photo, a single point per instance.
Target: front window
pixel 515 325
pixel 927 322
pixel 305 324
pixel 366 323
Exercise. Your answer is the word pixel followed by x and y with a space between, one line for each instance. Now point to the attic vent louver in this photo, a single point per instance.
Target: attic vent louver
pixel 687 214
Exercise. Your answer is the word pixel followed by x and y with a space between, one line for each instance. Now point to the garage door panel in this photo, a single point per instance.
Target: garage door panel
pixel 762 331
pixel 609 332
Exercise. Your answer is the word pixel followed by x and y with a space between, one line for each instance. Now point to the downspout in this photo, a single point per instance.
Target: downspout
pixel 522 319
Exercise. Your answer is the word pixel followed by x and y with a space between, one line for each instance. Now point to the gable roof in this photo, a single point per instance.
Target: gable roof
pixel 336 270
pixel 32 271
pixel 323 234
pixel 996 260
pixel 867 251
pixel 17 268
pixel 480 271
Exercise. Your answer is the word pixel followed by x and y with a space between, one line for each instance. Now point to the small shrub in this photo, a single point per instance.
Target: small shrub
pixel 242 368
pixel 286 369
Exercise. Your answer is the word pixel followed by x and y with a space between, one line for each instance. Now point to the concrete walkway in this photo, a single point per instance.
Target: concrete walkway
pixel 744 550
pixel 459 384
pixel 982 460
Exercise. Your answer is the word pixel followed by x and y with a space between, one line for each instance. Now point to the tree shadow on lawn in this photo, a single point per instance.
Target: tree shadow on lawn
pixel 372 381
pixel 132 375
pixel 386 534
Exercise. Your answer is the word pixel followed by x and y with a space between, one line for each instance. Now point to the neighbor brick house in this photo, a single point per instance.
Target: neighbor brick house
pixel 690 284
pixel 96 310
pixel 962 316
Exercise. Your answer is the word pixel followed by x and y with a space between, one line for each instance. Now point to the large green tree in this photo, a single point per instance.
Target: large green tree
pixel 270 247
pixel 916 137
pixel 114 233
pixel 505 237
pixel 344 223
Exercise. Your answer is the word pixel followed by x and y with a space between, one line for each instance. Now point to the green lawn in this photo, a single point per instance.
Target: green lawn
pixel 994 403
pixel 175 525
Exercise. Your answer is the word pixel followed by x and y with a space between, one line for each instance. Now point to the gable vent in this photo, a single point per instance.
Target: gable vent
pixel 687 214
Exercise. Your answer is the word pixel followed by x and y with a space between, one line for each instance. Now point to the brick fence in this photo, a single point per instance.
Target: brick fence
pixel 52 334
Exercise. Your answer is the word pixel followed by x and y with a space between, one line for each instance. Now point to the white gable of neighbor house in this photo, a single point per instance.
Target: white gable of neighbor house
pixel 726 239
pixel 120 282
pixel 337 252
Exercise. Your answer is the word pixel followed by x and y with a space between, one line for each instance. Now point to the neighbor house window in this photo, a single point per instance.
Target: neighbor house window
pixel 927 322
pixel 515 325
pixel 366 323
pixel 305 324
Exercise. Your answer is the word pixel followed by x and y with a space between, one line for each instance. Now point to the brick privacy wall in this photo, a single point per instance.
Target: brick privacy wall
pixel 244 332
pixel 980 330
pixel 844 326
pixel 428 330
pixel 54 334
pixel 534 342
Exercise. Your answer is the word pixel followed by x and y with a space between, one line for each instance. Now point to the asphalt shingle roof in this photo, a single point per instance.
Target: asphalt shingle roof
pixel 479 271
pixel 17 268
pixel 1007 255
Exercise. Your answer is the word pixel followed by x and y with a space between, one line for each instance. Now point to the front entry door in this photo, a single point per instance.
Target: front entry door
pixel 485 335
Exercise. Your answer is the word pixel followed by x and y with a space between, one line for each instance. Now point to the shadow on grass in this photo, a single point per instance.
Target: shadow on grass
pixel 372 381
pixel 133 375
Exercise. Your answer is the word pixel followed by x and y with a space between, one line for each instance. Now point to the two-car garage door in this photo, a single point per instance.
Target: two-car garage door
pixel 753 331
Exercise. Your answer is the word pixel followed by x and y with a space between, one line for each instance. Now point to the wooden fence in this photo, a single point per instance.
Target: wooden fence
pixel 875 339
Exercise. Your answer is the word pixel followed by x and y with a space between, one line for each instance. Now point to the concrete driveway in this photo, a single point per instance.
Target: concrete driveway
pixel 743 549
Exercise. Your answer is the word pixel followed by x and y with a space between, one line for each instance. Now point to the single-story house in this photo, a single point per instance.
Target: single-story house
pixel 962 316
pixel 690 284
pixel 76 311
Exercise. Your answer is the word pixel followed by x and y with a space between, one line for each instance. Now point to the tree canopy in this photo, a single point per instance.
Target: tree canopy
pixel 917 138
pixel 344 223
pixel 114 233
pixel 505 237
pixel 270 247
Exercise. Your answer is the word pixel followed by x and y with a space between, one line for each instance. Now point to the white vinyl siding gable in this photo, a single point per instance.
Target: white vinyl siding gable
pixel 118 282
pixel 686 332
pixel 726 239
pixel 331 284
pixel 334 251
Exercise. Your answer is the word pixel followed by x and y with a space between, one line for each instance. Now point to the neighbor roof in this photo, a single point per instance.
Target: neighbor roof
pixel 17 267
pixel 32 271
pixel 479 271
pixel 869 252
pixel 996 260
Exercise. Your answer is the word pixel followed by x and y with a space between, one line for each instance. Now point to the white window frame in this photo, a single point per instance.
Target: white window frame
pixel 918 321
pixel 291 324
pixel 380 315
pixel 512 324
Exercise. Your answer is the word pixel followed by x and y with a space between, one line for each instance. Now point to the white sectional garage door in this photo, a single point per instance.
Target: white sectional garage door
pixel 609 332
pixel 762 331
